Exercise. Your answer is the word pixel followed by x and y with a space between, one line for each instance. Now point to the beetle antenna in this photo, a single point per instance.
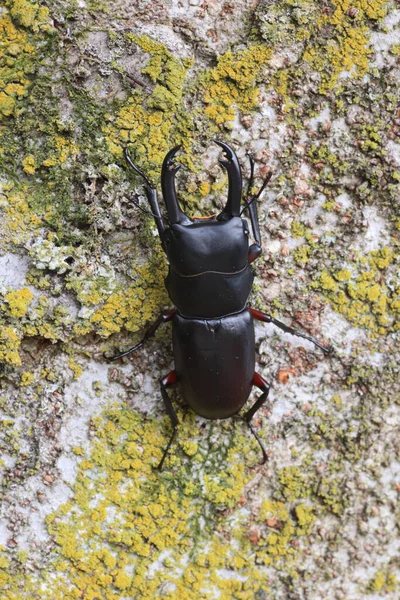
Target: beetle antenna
pixel 151 194
pixel 251 180
pixel 135 168
pixel 145 211
pixel 260 191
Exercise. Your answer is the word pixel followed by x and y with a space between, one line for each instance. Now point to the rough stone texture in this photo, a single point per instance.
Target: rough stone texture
pixel 311 88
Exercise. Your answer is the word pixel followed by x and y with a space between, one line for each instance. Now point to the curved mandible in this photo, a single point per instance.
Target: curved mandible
pixel 168 172
pixel 232 166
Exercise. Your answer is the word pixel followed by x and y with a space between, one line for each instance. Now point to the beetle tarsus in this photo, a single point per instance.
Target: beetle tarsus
pixel 165 383
pixel 126 353
pixel 292 331
pixel 250 203
pixel 263 450
pixel 138 171
pixel 172 438
pixel 251 178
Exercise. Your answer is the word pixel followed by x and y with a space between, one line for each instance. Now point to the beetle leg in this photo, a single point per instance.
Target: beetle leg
pixel 260 316
pixel 250 200
pixel 264 386
pixel 165 383
pixel 255 249
pixel 163 318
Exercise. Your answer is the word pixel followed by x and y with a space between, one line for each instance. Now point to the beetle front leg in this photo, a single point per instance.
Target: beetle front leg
pixel 264 386
pixel 165 383
pixel 260 316
pixel 163 318
pixel 255 250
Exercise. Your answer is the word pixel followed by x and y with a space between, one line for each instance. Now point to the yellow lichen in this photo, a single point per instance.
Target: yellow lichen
pixel 29 165
pixel 297 229
pixel 306 518
pixel 18 302
pixel 348 47
pixel 19 220
pixel 26 378
pixel 362 296
pixel 75 368
pixel 302 254
pixel 327 282
pixel 383 582
pixel 9 344
pixel 147 125
pixel 17 55
pixel 232 83
pixel 133 307
pixel 129 530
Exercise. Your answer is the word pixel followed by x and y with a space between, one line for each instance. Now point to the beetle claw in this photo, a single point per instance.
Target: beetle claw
pixel 170 162
pixel 226 149
pixel 227 153
pixel 168 172
pixel 231 164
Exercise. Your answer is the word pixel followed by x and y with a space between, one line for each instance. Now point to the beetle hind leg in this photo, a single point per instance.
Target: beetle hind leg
pixel 264 386
pixel 165 383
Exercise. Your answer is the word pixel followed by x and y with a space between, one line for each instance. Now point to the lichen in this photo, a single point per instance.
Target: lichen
pixel 9 344
pixel 383 582
pixel 232 84
pixel 20 221
pixel 361 294
pixel 141 522
pixel 335 40
pixel 147 125
pixel 17 61
pixel 18 302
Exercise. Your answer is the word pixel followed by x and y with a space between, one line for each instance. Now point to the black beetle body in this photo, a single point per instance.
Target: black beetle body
pixel 209 282
pixel 214 362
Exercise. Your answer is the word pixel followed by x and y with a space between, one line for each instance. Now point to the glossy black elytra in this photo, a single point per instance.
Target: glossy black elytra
pixel 209 282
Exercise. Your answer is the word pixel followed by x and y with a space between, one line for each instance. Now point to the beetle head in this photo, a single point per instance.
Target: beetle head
pixel 232 206
pixel 218 243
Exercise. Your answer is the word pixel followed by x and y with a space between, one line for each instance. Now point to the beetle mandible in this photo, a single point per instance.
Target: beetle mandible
pixel 209 282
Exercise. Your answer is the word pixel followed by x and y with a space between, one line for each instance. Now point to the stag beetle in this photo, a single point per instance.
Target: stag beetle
pixel 209 282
